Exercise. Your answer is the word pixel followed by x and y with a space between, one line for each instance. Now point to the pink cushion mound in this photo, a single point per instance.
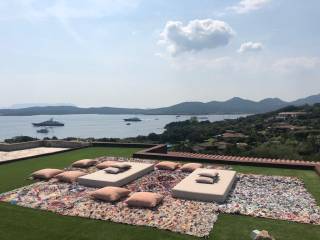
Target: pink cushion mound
pixel 190 167
pixel 84 163
pixel 144 199
pixel 106 164
pixel 121 165
pixel 166 165
pixel 110 194
pixel 46 173
pixel 69 176
pixel 113 170
pixel 209 174
pixel 206 180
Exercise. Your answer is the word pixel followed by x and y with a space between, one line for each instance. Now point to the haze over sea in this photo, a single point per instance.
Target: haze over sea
pixel 91 125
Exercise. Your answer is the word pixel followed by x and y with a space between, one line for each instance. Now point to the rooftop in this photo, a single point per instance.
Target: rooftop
pixel 291 113
pixel 38 222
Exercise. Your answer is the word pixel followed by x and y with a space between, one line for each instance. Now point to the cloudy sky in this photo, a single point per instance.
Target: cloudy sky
pixel 151 53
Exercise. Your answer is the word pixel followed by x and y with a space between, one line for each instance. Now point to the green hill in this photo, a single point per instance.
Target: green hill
pixel 234 105
pixel 291 132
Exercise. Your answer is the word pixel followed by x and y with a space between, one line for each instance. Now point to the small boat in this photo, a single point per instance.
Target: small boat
pixel 128 124
pixel 178 116
pixel 43 130
pixel 134 119
pixel 49 123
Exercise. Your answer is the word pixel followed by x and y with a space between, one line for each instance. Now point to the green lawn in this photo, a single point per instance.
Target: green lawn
pixel 23 223
pixel 13 175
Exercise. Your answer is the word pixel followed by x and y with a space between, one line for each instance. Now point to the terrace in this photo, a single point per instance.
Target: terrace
pixel 43 224
pixel 26 153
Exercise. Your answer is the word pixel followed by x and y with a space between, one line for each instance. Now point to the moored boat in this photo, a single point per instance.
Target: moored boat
pixel 43 130
pixel 134 119
pixel 49 123
pixel 203 118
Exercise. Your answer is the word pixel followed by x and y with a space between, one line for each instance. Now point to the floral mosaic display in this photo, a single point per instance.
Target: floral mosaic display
pixel 273 197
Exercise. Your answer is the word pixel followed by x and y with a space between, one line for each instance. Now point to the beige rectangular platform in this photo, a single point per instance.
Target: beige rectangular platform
pixel 188 188
pixel 103 179
pixel 26 153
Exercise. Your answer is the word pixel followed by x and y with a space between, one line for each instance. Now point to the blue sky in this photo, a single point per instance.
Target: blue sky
pixel 139 53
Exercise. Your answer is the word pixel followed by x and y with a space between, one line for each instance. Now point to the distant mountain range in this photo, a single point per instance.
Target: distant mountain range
pixel 234 105
pixel 28 105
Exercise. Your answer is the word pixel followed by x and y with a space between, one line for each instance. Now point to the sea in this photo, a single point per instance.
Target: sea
pixel 92 125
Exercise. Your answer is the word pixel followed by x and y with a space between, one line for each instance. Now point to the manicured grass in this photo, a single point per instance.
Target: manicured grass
pixel 14 175
pixel 23 223
pixel 236 227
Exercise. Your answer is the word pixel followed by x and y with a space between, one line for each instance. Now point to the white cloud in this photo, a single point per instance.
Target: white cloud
pixel 195 36
pixel 245 6
pixel 297 64
pixel 250 47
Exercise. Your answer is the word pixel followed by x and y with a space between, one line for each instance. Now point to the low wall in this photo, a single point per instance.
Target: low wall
pixel 19 146
pixel 42 143
pixel 317 169
pixel 65 144
pixel 161 148
pixel 127 145
pixel 160 152
pixel 6 147
pixel 154 149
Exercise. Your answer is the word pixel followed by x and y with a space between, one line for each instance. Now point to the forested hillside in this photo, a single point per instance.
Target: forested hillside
pixel 292 132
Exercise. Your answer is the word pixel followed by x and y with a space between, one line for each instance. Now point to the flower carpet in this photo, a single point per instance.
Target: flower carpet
pixel 275 197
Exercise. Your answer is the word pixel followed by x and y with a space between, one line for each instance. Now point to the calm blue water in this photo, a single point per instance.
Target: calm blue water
pixel 92 125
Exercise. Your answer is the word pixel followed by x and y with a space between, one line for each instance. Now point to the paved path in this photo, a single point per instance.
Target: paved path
pixel 32 152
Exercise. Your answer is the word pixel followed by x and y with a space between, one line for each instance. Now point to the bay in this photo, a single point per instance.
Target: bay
pixel 92 125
